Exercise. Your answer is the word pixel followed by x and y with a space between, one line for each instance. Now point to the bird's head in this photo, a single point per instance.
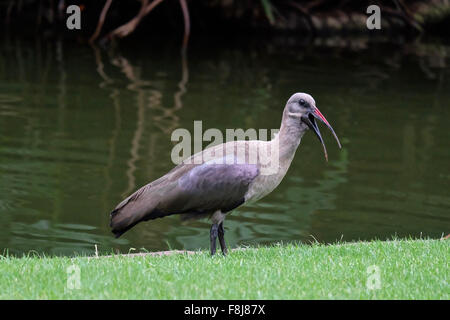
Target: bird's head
pixel 302 107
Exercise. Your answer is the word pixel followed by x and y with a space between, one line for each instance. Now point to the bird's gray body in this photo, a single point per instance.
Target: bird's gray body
pixel 198 188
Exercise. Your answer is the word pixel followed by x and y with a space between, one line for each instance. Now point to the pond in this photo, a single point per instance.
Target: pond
pixel 82 127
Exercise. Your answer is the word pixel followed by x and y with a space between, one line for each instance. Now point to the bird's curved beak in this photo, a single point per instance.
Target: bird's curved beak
pixel 310 121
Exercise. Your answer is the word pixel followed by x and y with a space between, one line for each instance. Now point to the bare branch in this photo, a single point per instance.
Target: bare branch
pixel 101 20
pixel 187 23
pixel 129 27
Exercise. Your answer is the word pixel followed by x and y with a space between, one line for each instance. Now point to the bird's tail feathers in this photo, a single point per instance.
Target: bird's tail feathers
pixel 130 212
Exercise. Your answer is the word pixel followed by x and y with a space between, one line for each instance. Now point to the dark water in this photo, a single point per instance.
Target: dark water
pixel 81 128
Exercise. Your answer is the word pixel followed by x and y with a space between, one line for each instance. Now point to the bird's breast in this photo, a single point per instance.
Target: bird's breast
pixel 263 185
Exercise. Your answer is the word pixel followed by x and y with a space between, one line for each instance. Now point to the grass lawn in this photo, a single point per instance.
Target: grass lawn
pixel 407 269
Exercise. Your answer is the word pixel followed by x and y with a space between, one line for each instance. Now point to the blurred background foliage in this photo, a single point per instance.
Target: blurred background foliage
pixel 104 20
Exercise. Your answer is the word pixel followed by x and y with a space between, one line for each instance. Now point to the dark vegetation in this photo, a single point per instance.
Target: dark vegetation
pixel 105 20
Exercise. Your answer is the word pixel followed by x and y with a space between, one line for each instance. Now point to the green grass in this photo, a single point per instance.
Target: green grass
pixel 408 269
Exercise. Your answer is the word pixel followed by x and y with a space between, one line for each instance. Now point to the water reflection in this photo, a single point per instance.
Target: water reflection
pixel 58 239
pixel 82 127
pixel 147 96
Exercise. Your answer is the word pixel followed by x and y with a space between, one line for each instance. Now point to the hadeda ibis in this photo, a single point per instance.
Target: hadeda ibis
pixel 208 187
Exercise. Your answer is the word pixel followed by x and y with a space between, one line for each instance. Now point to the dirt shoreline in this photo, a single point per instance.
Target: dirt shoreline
pixel 190 252
pixel 157 253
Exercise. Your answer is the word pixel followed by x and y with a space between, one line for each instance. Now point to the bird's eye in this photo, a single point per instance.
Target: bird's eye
pixel 302 102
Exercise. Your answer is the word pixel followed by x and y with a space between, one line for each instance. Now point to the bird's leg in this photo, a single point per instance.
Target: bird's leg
pixel 213 236
pixel 222 239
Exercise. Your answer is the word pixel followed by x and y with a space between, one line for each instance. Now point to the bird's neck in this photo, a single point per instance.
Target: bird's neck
pixel 288 139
